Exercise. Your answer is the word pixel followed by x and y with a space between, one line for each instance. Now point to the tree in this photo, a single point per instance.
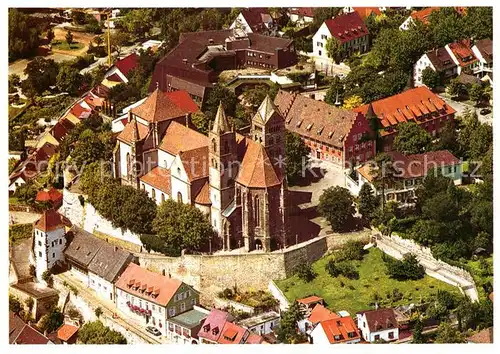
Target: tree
pixel 50 35
pixel 15 305
pixel 287 330
pixel 23 35
pixel 412 139
pixel 368 202
pixel 14 82
pixel 182 226
pixel 455 88
pixel 78 17
pixel 216 95
pixel 345 269
pixel 138 22
pixel 384 174
pixel 98 40
pixel 69 79
pixel 335 91
pixel 430 78
pixel 476 93
pixel 297 156
pixel 480 141
pixel 96 333
pixel 418 338
pixel 352 102
pixel 406 269
pixel 478 23
pixel 51 321
pixel 448 334
pixel 336 205
pixel 305 272
pixel 448 139
pixel 320 14
pixel 69 38
pixel 118 39
pixel 333 48
pixel 98 312
pixel 41 74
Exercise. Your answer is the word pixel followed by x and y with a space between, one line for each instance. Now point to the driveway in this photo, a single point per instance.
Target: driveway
pixel 461 107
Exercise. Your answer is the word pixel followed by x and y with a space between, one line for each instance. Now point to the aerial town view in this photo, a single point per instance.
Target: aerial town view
pixel 279 175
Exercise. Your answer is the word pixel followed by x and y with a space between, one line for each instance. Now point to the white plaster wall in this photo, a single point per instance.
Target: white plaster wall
pixel 48 249
pixel 420 65
pixel 17 183
pixel 406 24
pixel 102 287
pixel 165 159
pixel 240 22
pixel 318 335
pixel 322 31
pixel 158 193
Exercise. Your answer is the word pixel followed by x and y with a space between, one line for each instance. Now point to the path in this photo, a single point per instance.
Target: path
pixel 109 309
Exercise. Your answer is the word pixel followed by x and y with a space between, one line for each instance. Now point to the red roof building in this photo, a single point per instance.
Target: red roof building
pixel 419 105
pixel 347 27
pixel 22 333
pixel 51 220
pixel 67 333
pixel 380 324
pixel 423 15
pixel 258 19
pixel 52 196
pixel 365 12
pixel 336 331
pixel 127 64
pixel 302 12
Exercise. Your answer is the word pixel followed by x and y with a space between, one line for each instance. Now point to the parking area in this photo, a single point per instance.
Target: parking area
pixel 461 107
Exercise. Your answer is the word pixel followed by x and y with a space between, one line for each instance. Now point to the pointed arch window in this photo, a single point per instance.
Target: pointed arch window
pixel 153 194
pixel 226 147
pixel 256 211
pixel 179 197
pixel 214 145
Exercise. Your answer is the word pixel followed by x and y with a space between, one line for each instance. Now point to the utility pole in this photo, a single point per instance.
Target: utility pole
pixel 109 39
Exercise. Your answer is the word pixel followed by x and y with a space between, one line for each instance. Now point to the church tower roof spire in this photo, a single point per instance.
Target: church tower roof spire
pixel 221 124
pixel 266 110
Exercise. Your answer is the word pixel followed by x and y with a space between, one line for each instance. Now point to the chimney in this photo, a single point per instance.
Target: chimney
pixel 130 115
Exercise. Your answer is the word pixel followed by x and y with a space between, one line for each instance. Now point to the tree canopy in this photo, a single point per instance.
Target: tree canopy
pixel 297 156
pixel 412 139
pixel 96 333
pixel 336 205
pixel 23 35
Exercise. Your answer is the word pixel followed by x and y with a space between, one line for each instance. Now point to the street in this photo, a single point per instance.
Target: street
pixel 460 107
pixel 109 309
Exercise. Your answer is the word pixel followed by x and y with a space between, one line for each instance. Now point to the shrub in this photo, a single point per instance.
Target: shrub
pixel 406 269
pixel 350 251
pixel 98 312
pixel 305 272
pixel 341 268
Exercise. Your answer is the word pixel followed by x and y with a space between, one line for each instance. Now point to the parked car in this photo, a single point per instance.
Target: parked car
pixel 153 330
pixel 485 111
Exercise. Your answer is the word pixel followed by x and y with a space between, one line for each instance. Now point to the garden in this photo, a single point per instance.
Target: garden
pixel 359 284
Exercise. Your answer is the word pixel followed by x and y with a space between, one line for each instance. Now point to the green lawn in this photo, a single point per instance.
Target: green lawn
pixel 63 45
pixel 357 295
pixel 480 276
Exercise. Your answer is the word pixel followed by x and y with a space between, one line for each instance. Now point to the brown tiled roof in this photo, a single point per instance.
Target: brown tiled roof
pixel 310 299
pixel 314 119
pixel 127 64
pixel 232 334
pixel 115 77
pixel 203 196
pixel 340 328
pixel 321 313
pixel 440 59
pixel 255 16
pixel 133 130
pixel 423 15
pixel 379 320
pixel 159 178
pixel 52 195
pixel 267 44
pixel 254 338
pixel 197 88
pixel 462 50
pixel 49 221
pixel 485 47
pixel 178 138
pixel 21 333
pixel 159 106
pixel 302 11
pixel 484 336
pixel 406 106
pixel 256 169
pixel 135 277
pixel 365 12
pixel 66 331
pixel 347 27
pixel 195 163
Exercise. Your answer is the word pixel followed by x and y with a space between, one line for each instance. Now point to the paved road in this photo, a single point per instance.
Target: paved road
pixel 109 309
pixel 460 107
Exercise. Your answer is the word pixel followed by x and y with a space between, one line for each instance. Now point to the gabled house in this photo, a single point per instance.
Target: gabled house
pixel 462 55
pixel 336 135
pixel 438 60
pixel 340 330
pixel 352 33
pixel 253 19
pixel 420 15
pixel 184 328
pixel 22 333
pixel 301 15
pixel 377 325
pixel 66 334
pixel 318 314
pixel 153 299
pixel 121 71
pixel 51 196
pixel 483 51
pixel 364 12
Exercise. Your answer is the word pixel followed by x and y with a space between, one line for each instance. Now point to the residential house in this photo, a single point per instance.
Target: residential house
pixel 153 45
pixel 419 105
pixel 253 19
pixel 153 299
pixel 483 51
pixel 66 334
pixel 308 303
pixel 420 15
pixel 463 56
pixel 378 325
pixel 22 333
pixel 51 196
pixel 364 12
pixel 160 152
pixel 440 61
pixel 95 262
pixel 333 134
pixel 352 33
pixel 481 337
pixel 184 328
pixel 410 172
pixel 120 72
pixel 340 330
pixel 301 15
pixel 318 314
pixel 195 63
pixel 261 324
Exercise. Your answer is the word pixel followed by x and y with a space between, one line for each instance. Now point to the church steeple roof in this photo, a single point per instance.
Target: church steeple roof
pixel 266 110
pixel 221 124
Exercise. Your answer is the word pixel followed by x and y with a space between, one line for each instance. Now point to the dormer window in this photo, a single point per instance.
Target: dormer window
pixel 320 130
pixel 206 327
pixel 215 330
pixel 299 123
pixel 309 126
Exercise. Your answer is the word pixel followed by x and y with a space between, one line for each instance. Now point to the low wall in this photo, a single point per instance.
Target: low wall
pixel 223 303
pixel 278 295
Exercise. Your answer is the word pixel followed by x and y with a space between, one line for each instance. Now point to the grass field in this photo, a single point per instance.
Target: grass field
pixel 63 45
pixel 357 295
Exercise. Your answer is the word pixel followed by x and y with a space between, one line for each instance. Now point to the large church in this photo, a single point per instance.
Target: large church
pixel 237 180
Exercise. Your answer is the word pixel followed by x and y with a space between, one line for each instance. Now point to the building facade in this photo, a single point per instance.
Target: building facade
pixel 378 325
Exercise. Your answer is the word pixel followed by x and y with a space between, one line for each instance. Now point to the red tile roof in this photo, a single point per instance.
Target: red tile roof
pixel 49 221
pixel 66 331
pixel 203 196
pixel 365 12
pixel 484 336
pixel 80 112
pixel 160 106
pixel 159 178
pixel 381 319
pixel 406 106
pixel 52 195
pixel 133 130
pixel 310 299
pixel 321 313
pixel 337 330
pixel 127 64
pixel 347 27
pixel 463 52
pixel 195 163
pixel 255 17
pixel 423 15
pixel 21 333
pixel 257 170
pixel 179 138
pixel 135 277
pixel 302 11
pixel 232 334
pixel 115 77
pixel 213 325
pixel 254 338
